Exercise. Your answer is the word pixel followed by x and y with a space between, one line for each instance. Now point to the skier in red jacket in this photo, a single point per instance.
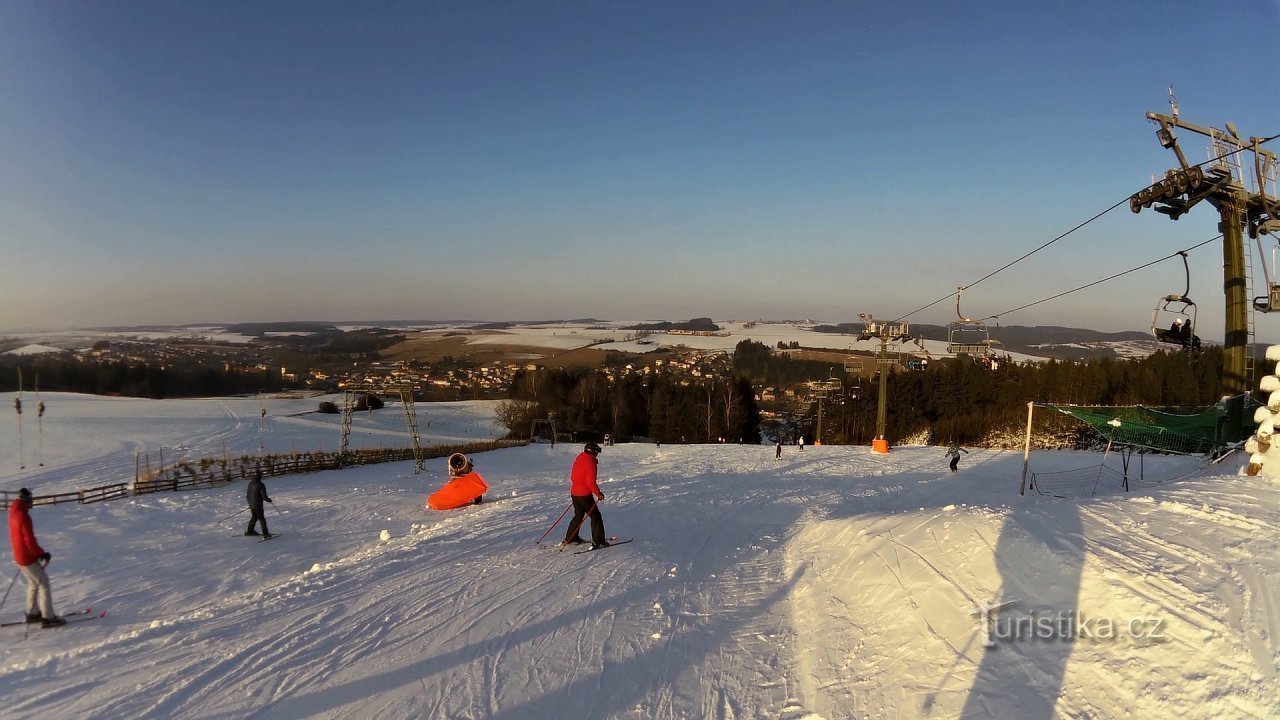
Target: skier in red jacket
pixel 31 559
pixel 586 496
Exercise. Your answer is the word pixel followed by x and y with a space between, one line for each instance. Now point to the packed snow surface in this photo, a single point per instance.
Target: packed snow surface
pixel 833 583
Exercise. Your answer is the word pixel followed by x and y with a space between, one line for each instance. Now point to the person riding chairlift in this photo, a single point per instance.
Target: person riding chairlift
pixel 1180 331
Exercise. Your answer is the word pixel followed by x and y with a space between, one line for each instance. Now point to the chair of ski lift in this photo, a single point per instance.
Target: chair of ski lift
pixel 1270 302
pixel 971 338
pixel 966 336
pixel 1173 321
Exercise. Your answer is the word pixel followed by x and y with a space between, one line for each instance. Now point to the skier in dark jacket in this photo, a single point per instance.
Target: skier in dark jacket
pixel 953 452
pixel 586 495
pixel 31 560
pixel 256 494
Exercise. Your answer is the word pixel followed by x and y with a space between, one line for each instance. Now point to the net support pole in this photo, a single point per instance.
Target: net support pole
pixel 1026 450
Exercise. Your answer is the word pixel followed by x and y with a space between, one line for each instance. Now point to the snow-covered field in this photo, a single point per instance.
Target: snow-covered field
pixel 833 583
pixel 561 336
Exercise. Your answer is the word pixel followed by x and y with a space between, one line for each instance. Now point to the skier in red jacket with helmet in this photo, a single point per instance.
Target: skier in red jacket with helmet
pixel 586 495
pixel 31 559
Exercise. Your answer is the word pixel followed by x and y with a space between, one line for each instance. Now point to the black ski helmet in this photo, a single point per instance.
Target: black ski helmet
pixel 24 494
pixel 592 447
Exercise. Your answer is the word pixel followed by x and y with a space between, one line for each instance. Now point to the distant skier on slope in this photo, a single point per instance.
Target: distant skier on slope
pixel 256 494
pixel 953 452
pixel 31 560
pixel 585 493
pixel 777 451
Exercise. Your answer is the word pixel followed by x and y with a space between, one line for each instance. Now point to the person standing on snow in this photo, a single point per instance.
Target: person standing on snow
pixel 256 494
pixel 953 452
pixel 31 560
pixel 777 451
pixel 801 443
pixel 586 496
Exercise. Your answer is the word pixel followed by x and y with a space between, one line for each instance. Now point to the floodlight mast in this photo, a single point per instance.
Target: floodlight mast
pixel 884 332
pixel 1183 188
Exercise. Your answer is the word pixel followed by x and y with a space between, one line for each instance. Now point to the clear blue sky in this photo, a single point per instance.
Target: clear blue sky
pixel 175 162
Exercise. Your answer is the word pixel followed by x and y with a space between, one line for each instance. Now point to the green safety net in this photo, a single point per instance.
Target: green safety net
pixel 1203 432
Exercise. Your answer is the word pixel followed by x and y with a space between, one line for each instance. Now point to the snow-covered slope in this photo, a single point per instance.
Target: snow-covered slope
pixel 833 583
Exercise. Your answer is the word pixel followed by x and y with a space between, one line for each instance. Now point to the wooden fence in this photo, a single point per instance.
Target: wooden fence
pixel 218 471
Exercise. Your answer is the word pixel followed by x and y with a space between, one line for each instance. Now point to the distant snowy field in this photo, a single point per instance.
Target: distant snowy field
pixel 831 584
pixel 557 336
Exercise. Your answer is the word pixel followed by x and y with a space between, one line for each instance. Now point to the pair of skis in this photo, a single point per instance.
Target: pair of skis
pixel 71 617
pixel 612 542
pixel 615 540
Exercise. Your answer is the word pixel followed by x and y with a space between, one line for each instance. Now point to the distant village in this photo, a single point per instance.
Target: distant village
pixel 437 382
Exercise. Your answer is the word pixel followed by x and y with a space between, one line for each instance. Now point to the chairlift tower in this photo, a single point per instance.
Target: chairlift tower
pixel 1223 184
pixel 821 390
pixel 873 329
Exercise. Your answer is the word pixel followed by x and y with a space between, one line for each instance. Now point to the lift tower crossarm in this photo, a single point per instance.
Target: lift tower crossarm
pixel 1167 123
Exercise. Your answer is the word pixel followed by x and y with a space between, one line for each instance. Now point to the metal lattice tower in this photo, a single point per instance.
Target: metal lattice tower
pixel 351 398
pixel 348 407
pixel 411 419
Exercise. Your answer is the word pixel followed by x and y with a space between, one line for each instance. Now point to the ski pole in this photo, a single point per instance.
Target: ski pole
pixel 272 504
pixel 579 525
pixel 233 514
pixel 11 582
pixel 554 524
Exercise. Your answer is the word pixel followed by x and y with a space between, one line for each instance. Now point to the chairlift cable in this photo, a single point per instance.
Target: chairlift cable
pixel 1125 201
pixel 1105 279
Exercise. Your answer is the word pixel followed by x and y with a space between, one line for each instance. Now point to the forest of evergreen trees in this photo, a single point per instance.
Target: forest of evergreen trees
pixel 666 408
pixel 66 374
pixel 953 399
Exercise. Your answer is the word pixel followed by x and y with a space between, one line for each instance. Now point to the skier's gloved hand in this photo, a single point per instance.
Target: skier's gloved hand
pixel 45 558
pixel 599 496
pixel 273 502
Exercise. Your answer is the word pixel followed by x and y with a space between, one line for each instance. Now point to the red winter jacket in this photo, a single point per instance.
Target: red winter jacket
pixel 22 535
pixel 583 476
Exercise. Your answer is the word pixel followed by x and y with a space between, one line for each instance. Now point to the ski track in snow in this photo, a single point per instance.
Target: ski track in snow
pixel 833 583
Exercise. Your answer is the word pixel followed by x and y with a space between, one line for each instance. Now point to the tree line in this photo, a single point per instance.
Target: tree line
pixel 586 404
pixel 66 374
pixel 958 399
pixel 953 399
